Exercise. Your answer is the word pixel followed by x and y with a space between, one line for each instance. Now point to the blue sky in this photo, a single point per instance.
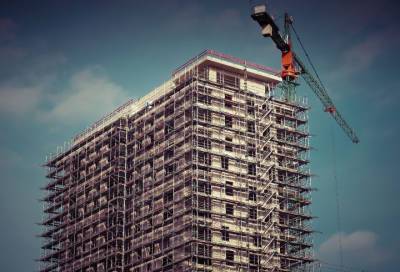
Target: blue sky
pixel 64 64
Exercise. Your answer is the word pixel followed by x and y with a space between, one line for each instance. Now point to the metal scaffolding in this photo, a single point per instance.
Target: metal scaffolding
pixel 210 174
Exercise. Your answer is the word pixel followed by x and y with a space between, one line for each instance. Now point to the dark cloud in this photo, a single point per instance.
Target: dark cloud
pixel 7 30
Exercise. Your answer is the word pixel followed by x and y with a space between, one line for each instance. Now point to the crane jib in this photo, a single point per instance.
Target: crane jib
pixel 323 96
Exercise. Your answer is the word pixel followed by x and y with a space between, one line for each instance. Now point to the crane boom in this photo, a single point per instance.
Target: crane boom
pixel 323 96
pixel 289 59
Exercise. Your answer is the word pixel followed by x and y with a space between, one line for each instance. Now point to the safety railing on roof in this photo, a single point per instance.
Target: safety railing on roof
pixel 104 119
pixel 226 57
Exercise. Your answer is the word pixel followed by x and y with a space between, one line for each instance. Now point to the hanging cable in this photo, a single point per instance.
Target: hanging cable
pixel 335 178
pixel 337 198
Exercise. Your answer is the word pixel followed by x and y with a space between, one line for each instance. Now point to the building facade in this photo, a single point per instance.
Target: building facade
pixel 208 172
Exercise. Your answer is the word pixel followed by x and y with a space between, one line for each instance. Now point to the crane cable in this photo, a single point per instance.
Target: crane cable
pixel 307 55
pixel 337 198
pixel 334 166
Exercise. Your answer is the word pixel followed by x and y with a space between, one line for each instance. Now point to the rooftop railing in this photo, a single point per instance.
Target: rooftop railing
pixel 226 57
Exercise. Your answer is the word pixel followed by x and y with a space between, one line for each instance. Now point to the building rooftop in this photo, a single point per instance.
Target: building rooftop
pixel 225 57
pixel 134 105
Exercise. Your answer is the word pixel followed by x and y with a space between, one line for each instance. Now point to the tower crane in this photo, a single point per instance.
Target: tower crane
pixel 293 66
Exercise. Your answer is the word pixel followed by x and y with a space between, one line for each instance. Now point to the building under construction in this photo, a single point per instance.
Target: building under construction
pixel 207 172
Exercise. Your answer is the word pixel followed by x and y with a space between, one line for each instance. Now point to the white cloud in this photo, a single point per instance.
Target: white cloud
pixel 360 249
pixel 19 100
pixel 89 96
pixel 34 84
pixel 26 79
pixel 356 59
pixel 362 56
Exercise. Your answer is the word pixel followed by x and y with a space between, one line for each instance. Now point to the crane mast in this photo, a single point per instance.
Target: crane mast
pixel 293 66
